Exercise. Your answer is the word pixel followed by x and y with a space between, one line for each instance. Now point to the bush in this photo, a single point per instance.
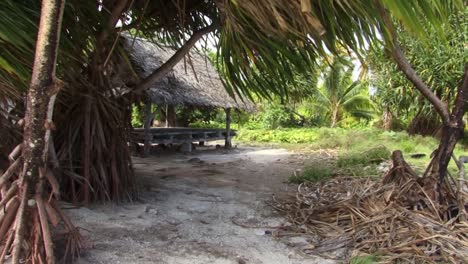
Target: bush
pixel 137 116
pixel 277 116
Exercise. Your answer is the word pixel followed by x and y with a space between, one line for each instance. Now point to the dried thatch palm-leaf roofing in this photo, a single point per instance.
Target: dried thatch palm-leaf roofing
pixel 193 82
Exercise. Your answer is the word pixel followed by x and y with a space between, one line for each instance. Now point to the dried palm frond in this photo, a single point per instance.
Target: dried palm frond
pixel 394 218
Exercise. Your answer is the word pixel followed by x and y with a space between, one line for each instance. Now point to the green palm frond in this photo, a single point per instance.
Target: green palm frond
pixel 18 26
pixel 353 89
pixel 262 42
pixel 358 102
pixel 415 15
pixel 262 45
pixel 368 115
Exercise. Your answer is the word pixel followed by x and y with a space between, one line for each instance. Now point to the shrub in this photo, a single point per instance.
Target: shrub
pixel 276 116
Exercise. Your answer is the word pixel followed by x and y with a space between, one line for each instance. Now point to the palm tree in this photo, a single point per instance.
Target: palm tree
pixel 338 95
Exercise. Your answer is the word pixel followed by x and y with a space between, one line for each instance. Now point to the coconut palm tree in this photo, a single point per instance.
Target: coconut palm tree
pixel 338 95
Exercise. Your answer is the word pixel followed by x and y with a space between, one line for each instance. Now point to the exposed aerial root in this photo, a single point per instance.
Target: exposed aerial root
pixel 38 245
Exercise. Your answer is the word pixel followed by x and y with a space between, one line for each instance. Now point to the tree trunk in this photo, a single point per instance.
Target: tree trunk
pixel 42 88
pixel 29 237
pixel 451 133
pixel 334 117
pixel 387 119
pixel 93 143
pixel 227 141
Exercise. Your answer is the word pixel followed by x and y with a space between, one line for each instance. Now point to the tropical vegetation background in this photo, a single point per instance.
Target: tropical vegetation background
pixel 357 92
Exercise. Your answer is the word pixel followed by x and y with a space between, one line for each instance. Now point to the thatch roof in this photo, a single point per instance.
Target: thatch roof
pixel 191 82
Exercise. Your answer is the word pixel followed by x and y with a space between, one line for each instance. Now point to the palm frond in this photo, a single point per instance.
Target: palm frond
pixel 358 102
pixel 352 89
pixel 261 43
pixel 18 26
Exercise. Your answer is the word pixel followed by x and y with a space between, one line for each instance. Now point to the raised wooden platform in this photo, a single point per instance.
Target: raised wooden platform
pixel 179 135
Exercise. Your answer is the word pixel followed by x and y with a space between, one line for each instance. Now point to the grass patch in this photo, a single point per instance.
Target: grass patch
pixel 350 141
pixel 312 173
pixel 369 156
pixel 362 163
pixel 369 259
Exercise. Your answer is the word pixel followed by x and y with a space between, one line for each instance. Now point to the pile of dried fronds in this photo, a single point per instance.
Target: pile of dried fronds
pixel 395 218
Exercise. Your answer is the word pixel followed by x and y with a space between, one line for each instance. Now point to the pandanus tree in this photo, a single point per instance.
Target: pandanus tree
pixel 262 45
pixel 439 63
pixel 27 199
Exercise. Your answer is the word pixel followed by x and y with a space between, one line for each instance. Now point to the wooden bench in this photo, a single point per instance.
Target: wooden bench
pixel 179 135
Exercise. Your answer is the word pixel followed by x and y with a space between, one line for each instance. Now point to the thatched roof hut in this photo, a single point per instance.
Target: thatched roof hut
pixel 192 82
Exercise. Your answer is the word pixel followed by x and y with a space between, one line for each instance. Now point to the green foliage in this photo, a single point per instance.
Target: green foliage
pixel 284 135
pixel 271 43
pixel 313 173
pixel 18 29
pixel 216 118
pixel 328 99
pixel 327 137
pixel 137 116
pixel 339 96
pixel 440 65
pixel 277 116
pixel 211 124
pixel 188 114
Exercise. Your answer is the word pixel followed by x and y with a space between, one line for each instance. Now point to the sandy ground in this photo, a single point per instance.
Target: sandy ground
pixel 204 207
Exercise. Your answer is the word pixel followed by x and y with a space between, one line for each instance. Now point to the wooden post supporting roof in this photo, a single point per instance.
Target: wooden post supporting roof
pixel 147 126
pixel 170 116
pixel 227 142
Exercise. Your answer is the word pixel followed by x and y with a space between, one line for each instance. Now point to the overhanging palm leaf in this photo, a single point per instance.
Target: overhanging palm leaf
pixel 285 36
pixel 18 24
